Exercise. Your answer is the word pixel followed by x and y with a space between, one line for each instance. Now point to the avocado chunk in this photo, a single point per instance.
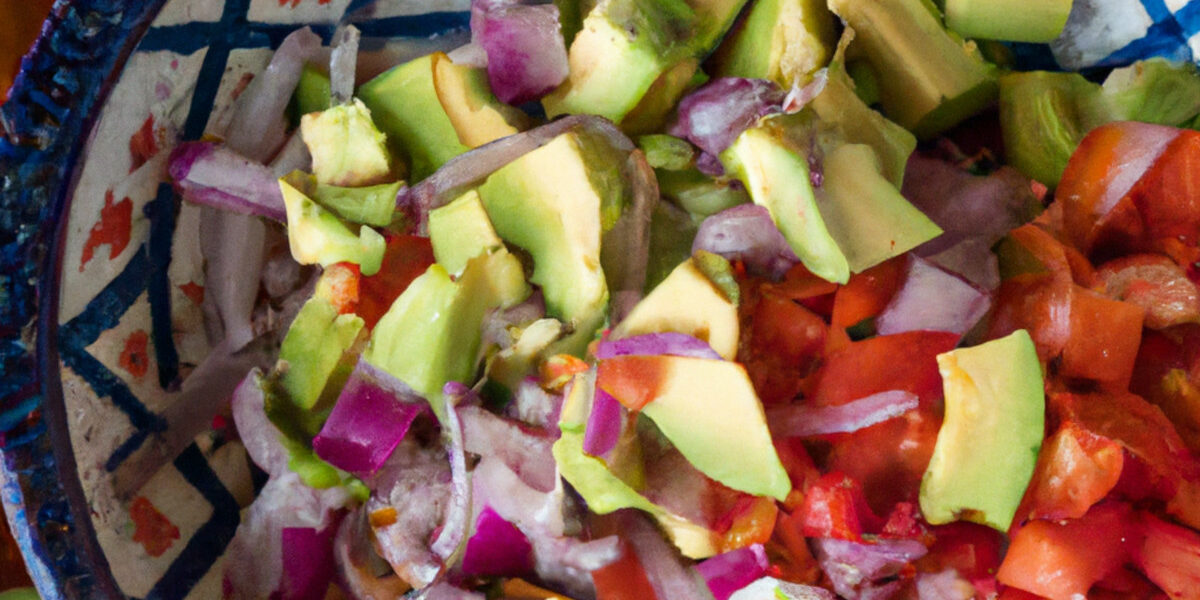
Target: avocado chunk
pixel 699 194
pixel 512 364
pixel 778 179
pixel 672 231
pixel 626 48
pixel 406 108
pixel 1036 21
pixel 317 236
pixel 346 147
pixel 475 113
pixel 989 441
pixel 312 349
pixel 555 203
pixel 708 410
pixel 687 301
pixel 312 93
pixel 865 213
pixel 605 491
pixel 460 231
pixel 431 333
pixel 784 41
pixel 369 205
pixel 929 81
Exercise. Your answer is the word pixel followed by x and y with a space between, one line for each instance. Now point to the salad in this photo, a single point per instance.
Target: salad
pixel 649 300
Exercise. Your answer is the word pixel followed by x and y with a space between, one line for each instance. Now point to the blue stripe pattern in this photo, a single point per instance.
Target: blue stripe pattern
pixel 1167 37
pixel 147 272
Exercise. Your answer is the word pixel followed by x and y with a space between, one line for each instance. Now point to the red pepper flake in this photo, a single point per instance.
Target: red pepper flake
pixel 194 291
pixel 116 221
pixel 143 145
pixel 152 529
pixel 134 357
pixel 241 86
pixel 1039 190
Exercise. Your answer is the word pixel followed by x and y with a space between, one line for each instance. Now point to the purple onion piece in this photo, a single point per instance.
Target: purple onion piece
pixel 854 568
pixel 603 424
pixel 714 115
pixel 747 233
pixel 526 55
pixel 932 299
pixel 668 572
pixel 258 127
pixel 535 406
pixel 259 435
pixel 308 565
pixel 352 555
pixel 458 511
pixel 654 344
pixel 342 63
pixel 524 450
pixel 497 548
pixel 973 260
pixel 213 175
pixel 371 417
pixel 731 571
pixel 800 420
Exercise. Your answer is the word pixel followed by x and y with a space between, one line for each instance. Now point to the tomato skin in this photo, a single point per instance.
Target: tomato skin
pixel 889 458
pixel 905 361
pixel 623 579
pixel 1039 303
pixel 1168 196
pixel 781 343
pixel 1155 283
pixel 1104 339
pixel 1169 556
pixel 633 380
pixel 1075 470
pixel 405 258
pixel 791 559
pixel 867 293
pixel 969 548
pixel 835 507
pixel 1062 560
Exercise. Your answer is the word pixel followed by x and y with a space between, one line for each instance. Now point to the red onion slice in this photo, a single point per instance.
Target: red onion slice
pixel 308 565
pixel 259 435
pixel 213 175
pixel 802 420
pixel 603 427
pixel 371 416
pixel 497 548
pixel 731 571
pixel 354 557
pixel 653 344
pixel 522 449
pixel 714 115
pixel 258 127
pixel 458 512
pixel 854 568
pixel 526 55
pixel 747 233
pixel 973 260
pixel 769 587
pixel 342 63
pixel 932 299
pixel 668 572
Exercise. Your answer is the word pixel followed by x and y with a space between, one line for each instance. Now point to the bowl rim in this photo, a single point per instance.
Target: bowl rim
pixel 44 124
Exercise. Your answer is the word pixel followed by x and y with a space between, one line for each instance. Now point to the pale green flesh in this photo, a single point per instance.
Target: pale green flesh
pixel 991 434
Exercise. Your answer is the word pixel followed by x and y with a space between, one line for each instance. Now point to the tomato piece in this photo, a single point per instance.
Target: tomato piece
pixel 791 559
pixel 751 522
pixel 1039 303
pixel 623 579
pixel 889 458
pixel 1061 560
pixel 867 293
pixel 405 258
pixel 632 380
pixel 1155 283
pixel 1168 195
pixel 1075 470
pixel 782 342
pixel 905 361
pixel 1169 556
pixel 1104 340
pixel 971 549
pixel 835 507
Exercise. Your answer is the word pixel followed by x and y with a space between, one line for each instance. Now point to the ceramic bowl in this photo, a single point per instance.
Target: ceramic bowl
pixel 113 487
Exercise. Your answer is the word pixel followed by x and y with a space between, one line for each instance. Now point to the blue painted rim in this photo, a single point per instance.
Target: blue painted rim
pixel 50 111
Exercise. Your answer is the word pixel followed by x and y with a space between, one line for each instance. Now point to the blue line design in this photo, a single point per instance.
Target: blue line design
pixel 161 213
pixel 1157 9
pixel 1164 38
pixel 210 541
pixel 1188 18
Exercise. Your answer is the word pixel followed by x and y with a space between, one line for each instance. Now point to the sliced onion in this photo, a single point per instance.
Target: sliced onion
pixel 539 514
pixel 371 416
pixel 526 55
pixel 354 556
pixel 497 548
pixel 458 512
pixel 769 587
pixel 800 95
pixel 308 566
pixel 731 571
pixel 625 249
pixel 747 233
pixel 410 499
pixel 566 563
pixel 802 420
pixel 258 127
pixel 714 115
pixel 294 156
pixel 973 260
pixel 470 168
pixel 932 300
pixel 531 404
pixel 854 568
pixel 257 566
pixel 946 585
pixel 654 344
pixel 259 435
pixel 342 63
pixel 668 572
pixel 966 205
pixel 524 450
pixel 213 175
pixel 469 55
pixel 603 425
